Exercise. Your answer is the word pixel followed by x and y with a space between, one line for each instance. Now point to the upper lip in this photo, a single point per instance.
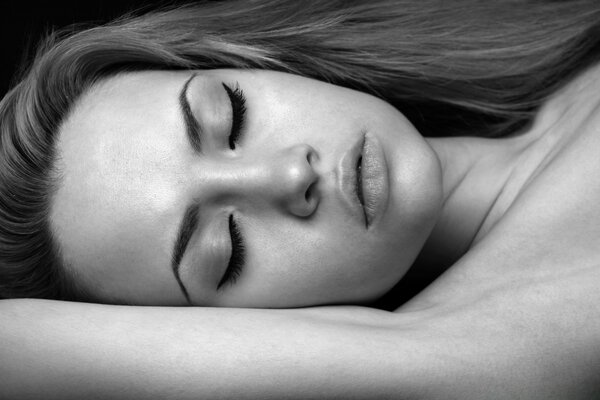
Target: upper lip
pixel 347 180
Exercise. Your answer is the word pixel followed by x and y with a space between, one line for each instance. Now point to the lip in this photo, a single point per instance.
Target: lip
pixel 374 180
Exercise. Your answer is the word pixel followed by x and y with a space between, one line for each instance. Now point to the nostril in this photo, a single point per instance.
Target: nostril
pixel 311 155
pixel 308 193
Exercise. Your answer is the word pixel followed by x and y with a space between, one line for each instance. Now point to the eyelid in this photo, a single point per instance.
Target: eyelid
pixel 237 258
pixel 237 100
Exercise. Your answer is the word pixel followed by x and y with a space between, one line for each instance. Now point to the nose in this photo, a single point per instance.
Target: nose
pixel 285 179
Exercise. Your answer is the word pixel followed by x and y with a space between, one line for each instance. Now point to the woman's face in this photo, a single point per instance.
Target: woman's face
pixel 316 194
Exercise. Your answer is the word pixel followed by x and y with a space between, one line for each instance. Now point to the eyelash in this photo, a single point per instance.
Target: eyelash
pixel 238 113
pixel 238 255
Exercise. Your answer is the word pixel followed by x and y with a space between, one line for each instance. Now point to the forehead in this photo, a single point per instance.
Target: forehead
pixel 120 161
pixel 118 131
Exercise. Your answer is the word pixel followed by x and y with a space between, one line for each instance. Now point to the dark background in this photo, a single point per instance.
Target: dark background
pixel 23 24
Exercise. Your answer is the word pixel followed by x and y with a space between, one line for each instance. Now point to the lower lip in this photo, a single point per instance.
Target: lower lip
pixel 375 182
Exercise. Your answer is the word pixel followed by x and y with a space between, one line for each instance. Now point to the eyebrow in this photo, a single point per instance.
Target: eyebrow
pixel 189 222
pixel 187 227
pixel 193 129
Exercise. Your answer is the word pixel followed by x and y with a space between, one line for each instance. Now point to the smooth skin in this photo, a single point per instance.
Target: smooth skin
pixel 516 317
pixel 128 173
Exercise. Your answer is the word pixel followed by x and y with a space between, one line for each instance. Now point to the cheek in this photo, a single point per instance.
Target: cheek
pixel 322 115
pixel 310 266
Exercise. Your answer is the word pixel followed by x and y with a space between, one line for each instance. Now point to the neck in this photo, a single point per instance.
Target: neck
pixel 483 177
pixel 476 172
pixel 475 175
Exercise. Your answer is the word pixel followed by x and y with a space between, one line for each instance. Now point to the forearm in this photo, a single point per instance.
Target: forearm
pixel 69 350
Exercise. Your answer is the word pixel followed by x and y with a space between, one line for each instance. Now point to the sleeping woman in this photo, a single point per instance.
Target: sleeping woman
pixel 284 167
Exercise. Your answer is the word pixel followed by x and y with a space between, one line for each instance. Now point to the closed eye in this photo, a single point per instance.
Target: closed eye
pixel 238 113
pixel 238 255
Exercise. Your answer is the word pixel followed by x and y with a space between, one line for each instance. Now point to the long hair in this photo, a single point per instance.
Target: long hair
pixel 465 67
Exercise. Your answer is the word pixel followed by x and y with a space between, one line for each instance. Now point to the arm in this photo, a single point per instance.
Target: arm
pixel 535 337
pixel 528 331
pixel 73 350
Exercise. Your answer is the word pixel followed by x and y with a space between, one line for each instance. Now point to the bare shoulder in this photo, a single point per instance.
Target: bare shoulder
pixel 551 231
pixel 528 290
pixel 558 207
pixel 556 215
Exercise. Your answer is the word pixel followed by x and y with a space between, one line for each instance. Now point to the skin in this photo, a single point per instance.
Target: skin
pixel 515 317
pixel 128 173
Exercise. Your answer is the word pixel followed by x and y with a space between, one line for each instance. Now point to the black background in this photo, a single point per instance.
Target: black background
pixel 23 23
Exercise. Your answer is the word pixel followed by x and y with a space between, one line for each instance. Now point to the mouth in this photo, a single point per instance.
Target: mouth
pixel 359 192
pixel 365 180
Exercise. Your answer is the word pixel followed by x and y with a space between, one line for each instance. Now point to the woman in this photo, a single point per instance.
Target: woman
pixel 269 155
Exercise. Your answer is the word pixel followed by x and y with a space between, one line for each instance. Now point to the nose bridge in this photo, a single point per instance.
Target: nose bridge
pixel 282 179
